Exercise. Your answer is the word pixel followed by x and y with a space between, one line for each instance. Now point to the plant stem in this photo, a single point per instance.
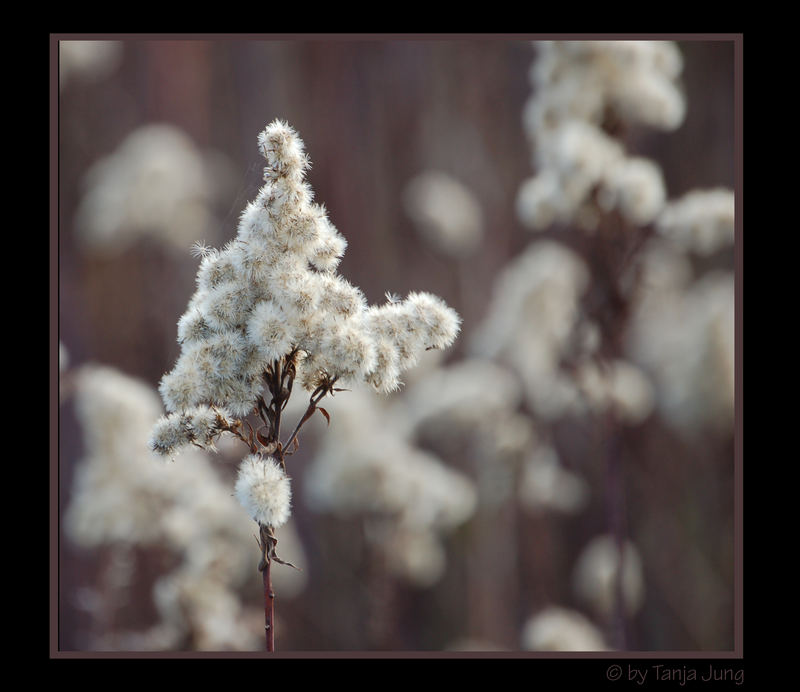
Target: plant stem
pixel 267 541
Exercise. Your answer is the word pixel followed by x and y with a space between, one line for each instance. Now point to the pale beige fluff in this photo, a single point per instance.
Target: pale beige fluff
pixel 273 291
pixel 157 183
pixel 581 170
pixel 701 221
pixel 531 319
pixel 263 489
pixel 445 213
pixel 560 629
pixel 597 570
pixel 367 465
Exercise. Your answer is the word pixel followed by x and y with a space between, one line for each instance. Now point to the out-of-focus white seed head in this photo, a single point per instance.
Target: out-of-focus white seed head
pixel 635 187
pixel 700 222
pixel 582 92
pixel 444 212
pixel 597 578
pixel 560 629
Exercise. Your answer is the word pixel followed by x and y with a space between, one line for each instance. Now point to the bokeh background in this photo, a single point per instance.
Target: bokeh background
pixel 374 115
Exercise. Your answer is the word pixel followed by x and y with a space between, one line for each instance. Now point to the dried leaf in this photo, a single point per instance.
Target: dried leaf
pixel 324 413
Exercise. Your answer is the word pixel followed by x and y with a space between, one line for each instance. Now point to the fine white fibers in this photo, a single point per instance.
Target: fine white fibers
pixel 272 291
pixel 264 490
pixel 268 328
pixel 198 426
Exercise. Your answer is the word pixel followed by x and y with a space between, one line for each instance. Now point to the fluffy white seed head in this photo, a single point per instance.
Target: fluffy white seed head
pixel 192 326
pixel 349 352
pixel 269 330
pixel 215 268
pixel 169 435
pixel 329 248
pixel 385 375
pixel 338 297
pixel 284 151
pixel 264 490
pixel 199 426
pixel 439 324
pixel 273 290
pixel 184 386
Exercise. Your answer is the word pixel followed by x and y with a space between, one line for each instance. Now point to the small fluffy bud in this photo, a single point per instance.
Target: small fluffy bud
pixel 349 350
pixel 283 149
pixel 439 323
pixel 263 489
pixel 385 376
pixel 184 386
pixel 226 304
pixel 330 247
pixel 215 268
pixel 339 297
pixel 168 436
pixel 268 329
pixel 192 326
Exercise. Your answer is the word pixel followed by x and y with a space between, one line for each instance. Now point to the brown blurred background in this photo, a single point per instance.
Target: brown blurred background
pixel 373 114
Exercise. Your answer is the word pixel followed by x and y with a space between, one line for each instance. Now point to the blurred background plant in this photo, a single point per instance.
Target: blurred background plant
pixel 561 479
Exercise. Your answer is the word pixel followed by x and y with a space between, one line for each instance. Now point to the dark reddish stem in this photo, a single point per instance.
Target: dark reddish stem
pixel 269 594
pixel 269 608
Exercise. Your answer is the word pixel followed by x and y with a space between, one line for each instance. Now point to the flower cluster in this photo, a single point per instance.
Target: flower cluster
pixel 583 91
pixel 271 301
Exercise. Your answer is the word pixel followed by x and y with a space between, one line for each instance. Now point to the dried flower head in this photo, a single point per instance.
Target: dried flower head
pixel 270 302
pixel 263 489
